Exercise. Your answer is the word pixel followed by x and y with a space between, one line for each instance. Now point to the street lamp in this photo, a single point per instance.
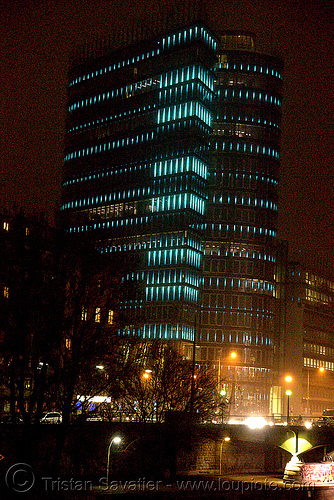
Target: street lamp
pixel 223 403
pixel 288 393
pixel 147 373
pixel 225 440
pixel 116 440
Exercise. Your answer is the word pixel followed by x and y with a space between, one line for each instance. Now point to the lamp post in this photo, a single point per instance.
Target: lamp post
pixel 226 440
pixel 116 440
pixel 223 404
pixel 288 393
pixel 288 379
pixel 193 368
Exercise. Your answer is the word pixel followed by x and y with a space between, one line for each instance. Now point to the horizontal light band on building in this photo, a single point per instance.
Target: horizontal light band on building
pixel 187 35
pixel 120 92
pixel 184 110
pixel 178 38
pixel 244 284
pixel 115 66
pixel 104 124
pixel 136 139
pixel 174 292
pixel 180 165
pixel 175 256
pixel 170 167
pixel 253 68
pixel 172 277
pixel 166 331
pixel 251 95
pixel 250 201
pixel 244 147
pixel 110 145
pixel 318 363
pixel 188 73
pixel 178 202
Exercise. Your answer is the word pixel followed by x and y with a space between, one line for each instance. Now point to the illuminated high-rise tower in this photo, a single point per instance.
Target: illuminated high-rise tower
pixel 135 170
pixel 172 153
pixel 239 296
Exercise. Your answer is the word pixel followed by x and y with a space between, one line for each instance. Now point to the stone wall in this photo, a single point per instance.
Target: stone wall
pixel 214 455
pixel 147 450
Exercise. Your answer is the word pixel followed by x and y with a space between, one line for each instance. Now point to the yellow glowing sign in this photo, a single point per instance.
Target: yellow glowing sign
pixel 290 445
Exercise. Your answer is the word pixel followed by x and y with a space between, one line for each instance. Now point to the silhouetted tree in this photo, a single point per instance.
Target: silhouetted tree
pixel 155 378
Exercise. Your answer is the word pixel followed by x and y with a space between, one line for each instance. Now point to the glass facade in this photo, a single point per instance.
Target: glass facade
pixel 239 298
pixel 136 167
pixel 172 153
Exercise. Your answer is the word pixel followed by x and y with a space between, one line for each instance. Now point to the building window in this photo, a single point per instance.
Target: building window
pixel 6 226
pixel 6 292
pixel 84 313
pixel 68 343
pixel 110 317
pixel 97 315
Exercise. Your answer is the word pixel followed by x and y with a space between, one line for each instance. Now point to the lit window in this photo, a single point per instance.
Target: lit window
pixel 6 292
pixel 97 315
pixel 110 317
pixel 27 231
pixel 68 343
pixel 6 226
pixel 84 313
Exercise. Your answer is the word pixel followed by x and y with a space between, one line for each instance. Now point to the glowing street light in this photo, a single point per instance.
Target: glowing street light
pixel 116 440
pixel 147 374
pixel 288 379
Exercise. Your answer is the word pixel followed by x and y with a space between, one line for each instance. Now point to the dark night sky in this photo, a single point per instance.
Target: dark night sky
pixel 36 39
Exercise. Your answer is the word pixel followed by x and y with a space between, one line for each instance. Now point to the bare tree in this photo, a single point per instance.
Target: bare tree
pixel 94 289
pixel 157 379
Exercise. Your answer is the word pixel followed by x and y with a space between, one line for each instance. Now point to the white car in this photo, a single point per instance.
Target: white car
pixel 53 417
pixel 95 417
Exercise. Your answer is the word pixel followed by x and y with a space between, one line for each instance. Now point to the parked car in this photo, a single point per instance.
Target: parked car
pixel 327 419
pixel 52 417
pixel 8 419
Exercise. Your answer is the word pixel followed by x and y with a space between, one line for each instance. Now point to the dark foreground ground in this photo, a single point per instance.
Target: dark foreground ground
pixel 234 487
